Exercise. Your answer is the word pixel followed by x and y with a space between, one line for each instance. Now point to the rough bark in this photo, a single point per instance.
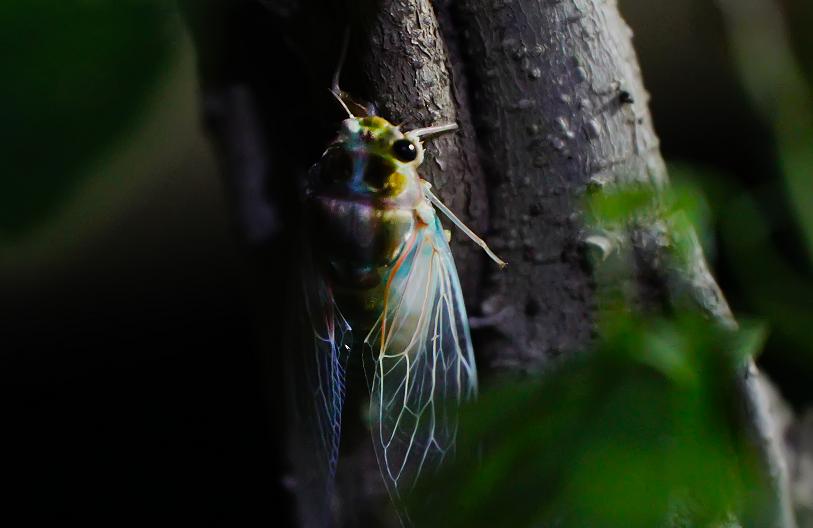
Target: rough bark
pixel 550 102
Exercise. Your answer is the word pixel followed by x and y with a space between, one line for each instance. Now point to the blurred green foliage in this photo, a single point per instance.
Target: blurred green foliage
pixel 799 13
pixel 76 74
pixel 638 432
pixel 776 282
pixel 773 77
pixel 682 207
pixel 771 285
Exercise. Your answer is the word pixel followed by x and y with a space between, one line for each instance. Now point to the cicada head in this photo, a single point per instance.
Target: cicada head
pixel 372 160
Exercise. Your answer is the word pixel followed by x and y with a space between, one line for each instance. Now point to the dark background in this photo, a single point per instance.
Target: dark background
pixel 138 376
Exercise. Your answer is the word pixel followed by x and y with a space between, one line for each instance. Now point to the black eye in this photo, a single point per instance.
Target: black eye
pixel 405 150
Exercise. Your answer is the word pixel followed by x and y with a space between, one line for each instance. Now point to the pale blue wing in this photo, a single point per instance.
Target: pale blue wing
pixel 422 362
pixel 318 377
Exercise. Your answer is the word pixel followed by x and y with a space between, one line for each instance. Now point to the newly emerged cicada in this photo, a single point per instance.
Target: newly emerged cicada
pixel 381 286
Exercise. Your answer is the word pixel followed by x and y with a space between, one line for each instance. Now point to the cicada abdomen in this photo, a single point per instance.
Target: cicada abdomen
pixel 381 285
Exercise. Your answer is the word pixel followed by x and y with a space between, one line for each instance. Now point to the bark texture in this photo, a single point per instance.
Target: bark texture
pixel 550 103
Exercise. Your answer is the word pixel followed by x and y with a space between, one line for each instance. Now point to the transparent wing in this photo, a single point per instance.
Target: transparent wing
pixel 318 377
pixel 422 361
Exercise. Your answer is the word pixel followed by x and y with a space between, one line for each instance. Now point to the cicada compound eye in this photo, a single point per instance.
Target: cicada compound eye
pixel 405 150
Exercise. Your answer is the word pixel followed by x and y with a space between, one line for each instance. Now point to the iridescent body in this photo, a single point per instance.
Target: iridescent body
pixel 383 284
pixel 363 203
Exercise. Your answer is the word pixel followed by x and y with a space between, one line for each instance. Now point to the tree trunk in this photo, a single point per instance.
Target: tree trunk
pixel 550 103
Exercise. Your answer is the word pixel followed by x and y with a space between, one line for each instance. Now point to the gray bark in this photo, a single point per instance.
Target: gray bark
pixel 561 106
pixel 550 102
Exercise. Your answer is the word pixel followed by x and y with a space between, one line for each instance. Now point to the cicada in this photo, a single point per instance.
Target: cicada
pixel 381 284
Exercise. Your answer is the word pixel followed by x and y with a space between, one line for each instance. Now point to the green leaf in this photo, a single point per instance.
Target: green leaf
pixel 75 77
pixel 613 438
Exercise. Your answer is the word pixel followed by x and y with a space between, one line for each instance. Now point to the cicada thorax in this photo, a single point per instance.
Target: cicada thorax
pixel 362 199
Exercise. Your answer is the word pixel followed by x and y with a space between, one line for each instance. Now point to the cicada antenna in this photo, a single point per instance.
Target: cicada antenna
pixel 432 131
pixel 334 87
pixel 341 102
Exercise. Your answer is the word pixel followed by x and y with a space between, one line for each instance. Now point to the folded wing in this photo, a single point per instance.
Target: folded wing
pixel 317 378
pixel 422 366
